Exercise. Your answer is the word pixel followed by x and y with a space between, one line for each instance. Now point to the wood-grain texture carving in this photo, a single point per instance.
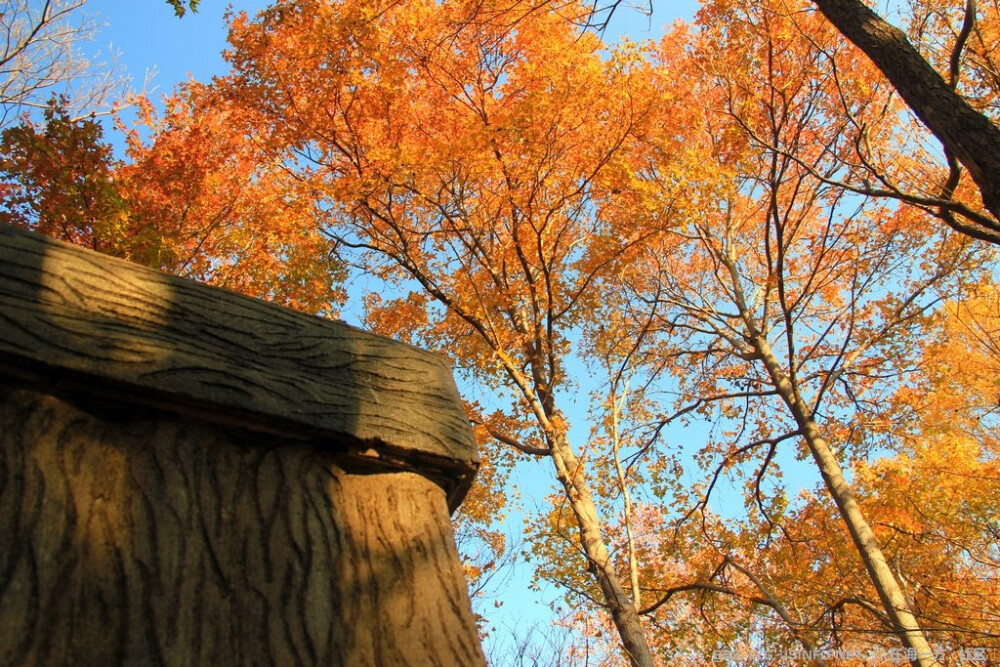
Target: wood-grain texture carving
pixel 130 538
pixel 82 321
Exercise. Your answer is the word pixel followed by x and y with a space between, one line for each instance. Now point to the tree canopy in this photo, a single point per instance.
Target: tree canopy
pixel 724 291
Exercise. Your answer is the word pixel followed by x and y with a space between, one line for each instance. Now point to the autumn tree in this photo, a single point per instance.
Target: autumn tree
pixel 225 213
pixel 58 179
pixel 905 170
pixel 780 303
pixel 800 592
pixel 196 200
pixel 931 494
pixel 461 148
pixel 946 71
pixel 949 81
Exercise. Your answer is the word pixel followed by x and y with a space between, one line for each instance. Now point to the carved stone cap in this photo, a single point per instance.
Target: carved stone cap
pixel 79 322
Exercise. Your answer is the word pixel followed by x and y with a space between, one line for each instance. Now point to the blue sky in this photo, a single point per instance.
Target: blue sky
pixel 150 38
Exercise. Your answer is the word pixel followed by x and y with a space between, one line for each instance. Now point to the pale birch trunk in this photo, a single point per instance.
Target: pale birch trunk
pixel 622 608
pixel 890 593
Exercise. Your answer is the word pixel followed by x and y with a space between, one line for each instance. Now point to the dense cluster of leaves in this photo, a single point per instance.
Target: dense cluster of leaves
pixel 198 200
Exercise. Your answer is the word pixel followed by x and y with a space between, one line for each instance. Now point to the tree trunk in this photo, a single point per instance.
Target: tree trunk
pixel 623 610
pixel 893 600
pixel 967 134
pixel 134 539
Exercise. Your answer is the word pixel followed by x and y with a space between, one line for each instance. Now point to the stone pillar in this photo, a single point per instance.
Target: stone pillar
pixel 192 477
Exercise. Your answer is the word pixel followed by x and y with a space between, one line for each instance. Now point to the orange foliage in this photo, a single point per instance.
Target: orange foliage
pixel 463 148
pixel 225 214
pixel 779 303
pixel 198 200
pixel 713 223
